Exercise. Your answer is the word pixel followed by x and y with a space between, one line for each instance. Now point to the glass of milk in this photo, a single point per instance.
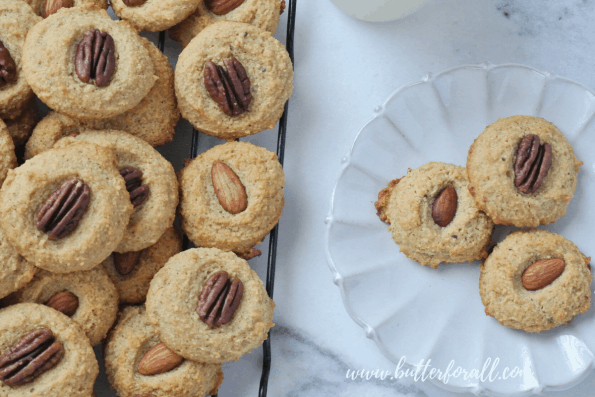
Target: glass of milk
pixel 379 10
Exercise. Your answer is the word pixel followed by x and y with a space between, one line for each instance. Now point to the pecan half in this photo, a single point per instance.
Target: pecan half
pixel 95 58
pixel 531 164
pixel 219 299
pixel 33 355
pixel 8 69
pixel 229 87
pixel 134 179
pixel 63 210
pixel 126 262
pixel 222 7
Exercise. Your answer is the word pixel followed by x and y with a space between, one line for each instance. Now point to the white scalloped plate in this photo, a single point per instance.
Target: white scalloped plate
pixel 419 313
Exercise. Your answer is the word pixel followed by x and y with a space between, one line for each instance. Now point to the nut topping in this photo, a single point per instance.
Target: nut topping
pixel 134 3
pixel 444 207
pixel 52 6
pixel 65 302
pixel 219 299
pixel 222 7
pixel 33 355
pixel 532 163
pixel 229 88
pixel 8 69
pixel 95 58
pixel 229 190
pixel 542 273
pixel 138 192
pixel 125 263
pixel 63 210
pixel 158 360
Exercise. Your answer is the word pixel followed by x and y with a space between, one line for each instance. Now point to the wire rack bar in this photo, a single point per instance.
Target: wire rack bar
pixel 273 236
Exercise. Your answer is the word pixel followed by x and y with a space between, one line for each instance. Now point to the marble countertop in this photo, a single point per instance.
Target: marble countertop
pixel 344 68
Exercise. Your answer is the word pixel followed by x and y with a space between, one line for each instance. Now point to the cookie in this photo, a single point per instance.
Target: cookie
pixel 20 128
pixel 89 298
pixel 527 187
pixel 15 271
pixel 45 8
pixel 55 66
pixel 245 57
pixel 154 15
pixel 433 217
pixel 260 181
pixel 8 158
pixel 173 303
pixel 514 285
pixel 70 358
pixel 135 270
pixel 152 120
pixel 88 219
pixel 150 180
pixel 16 19
pixel 263 14
pixel 132 338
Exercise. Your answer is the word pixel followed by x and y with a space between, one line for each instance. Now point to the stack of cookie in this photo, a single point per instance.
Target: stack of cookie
pixel 87 220
pixel 520 171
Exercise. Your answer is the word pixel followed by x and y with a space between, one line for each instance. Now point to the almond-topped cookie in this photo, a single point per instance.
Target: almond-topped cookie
pixel 263 14
pixel 209 306
pixel 522 171
pixel 432 216
pixel 66 209
pixel 233 80
pixel 82 63
pixel 139 364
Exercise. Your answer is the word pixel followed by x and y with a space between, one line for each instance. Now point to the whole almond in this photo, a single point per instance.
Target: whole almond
pixel 52 6
pixel 126 262
pixel 542 273
pixel 157 360
pixel 444 207
pixel 222 7
pixel 65 302
pixel 230 191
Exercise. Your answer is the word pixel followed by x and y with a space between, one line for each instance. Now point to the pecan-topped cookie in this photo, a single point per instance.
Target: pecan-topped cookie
pixel 16 19
pixel 89 298
pixel 263 14
pixel 233 80
pixel 133 271
pixel 432 216
pixel 522 171
pixel 218 308
pixel 231 196
pixel 58 359
pixel 150 181
pixel 66 209
pixel 153 15
pixel 83 64
pixel 132 371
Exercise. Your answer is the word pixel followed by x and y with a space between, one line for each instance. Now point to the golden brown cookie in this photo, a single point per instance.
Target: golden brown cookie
pixel 15 271
pixel 173 306
pixel 89 298
pixel 135 270
pixel 66 209
pixel 56 64
pixel 130 341
pixel 154 15
pixel 535 280
pixel 150 180
pixel 16 19
pixel 432 216
pixel 527 187
pixel 252 61
pixel 259 183
pixel 71 364
pixel 8 158
pixel 263 14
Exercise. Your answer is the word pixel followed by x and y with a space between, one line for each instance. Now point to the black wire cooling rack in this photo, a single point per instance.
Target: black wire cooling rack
pixel 272 255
